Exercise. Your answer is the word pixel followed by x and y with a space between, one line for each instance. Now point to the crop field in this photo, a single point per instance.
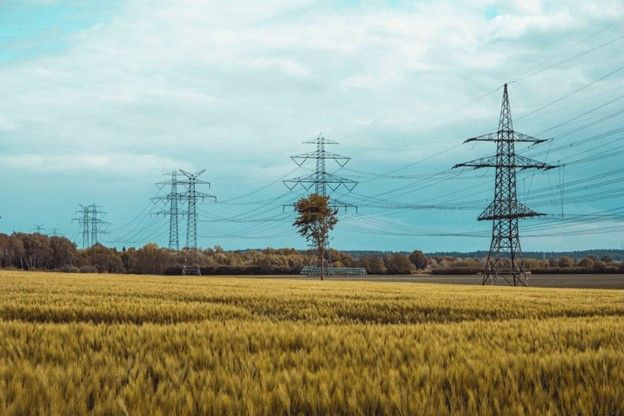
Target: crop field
pixel 112 344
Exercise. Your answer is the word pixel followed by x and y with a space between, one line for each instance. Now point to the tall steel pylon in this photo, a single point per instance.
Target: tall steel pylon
pixel 191 195
pixel 321 180
pixel 90 222
pixel 505 255
pixel 96 221
pixel 83 220
pixel 173 197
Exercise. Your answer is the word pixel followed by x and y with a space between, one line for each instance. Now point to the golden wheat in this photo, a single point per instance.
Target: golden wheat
pixel 93 344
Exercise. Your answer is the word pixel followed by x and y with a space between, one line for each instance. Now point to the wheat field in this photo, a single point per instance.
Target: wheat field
pixel 112 344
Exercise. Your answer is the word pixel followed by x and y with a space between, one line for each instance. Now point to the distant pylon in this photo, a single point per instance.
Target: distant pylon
pixel 173 197
pixel 505 255
pixel 321 180
pixel 83 220
pixel 90 222
pixel 191 195
pixel 38 228
pixel 95 222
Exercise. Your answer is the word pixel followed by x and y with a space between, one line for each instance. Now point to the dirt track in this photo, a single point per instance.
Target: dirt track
pixel 593 281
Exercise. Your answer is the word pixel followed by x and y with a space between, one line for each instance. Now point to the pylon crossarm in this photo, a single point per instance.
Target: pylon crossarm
pixel 290 184
pixel 519 162
pixel 326 178
pixel 192 175
pixel 525 138
pixel 489 137
pixel 203 195
pixel 484 162
pixel 507 210
pixel 316 154
pixel 319 139
pixel 505 136
pixel 337 204
pixel 527 163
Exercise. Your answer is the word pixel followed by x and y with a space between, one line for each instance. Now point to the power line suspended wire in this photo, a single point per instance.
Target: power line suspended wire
pixel 137 235
pixel 582 41
pixel 579 116
pixel 258 211
pixel 389 174
pixel 364 174
pixel 568 133
pixel 570 93
pixel 400 205
pixel 247 232
pixel 539 71
pixel 595 231
pixel 278 180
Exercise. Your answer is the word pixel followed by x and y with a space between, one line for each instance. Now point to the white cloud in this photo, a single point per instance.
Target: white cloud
pixel 235 86
pixel 115 164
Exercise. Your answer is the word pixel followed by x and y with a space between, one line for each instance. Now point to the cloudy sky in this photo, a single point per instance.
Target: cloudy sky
pixel 100 99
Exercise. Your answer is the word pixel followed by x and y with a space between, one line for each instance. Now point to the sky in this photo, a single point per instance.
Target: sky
pixel 99 100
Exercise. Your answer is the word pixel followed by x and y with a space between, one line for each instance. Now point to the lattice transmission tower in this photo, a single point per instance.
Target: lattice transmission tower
pixel 505 256
pixel 38 229
pixel 173 198
pixel 191 195
pixel 90 220
pixel 321 181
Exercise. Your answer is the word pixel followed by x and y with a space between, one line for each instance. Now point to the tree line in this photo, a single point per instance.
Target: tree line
pixel 40 252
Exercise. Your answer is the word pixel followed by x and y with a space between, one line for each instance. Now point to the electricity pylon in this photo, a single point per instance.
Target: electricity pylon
pixel 191 196
pixel 173 197
pixel 90 222
pixel 95 222
pixel 321 180
pixel 505 255
pixel 38 228
pixel 83 220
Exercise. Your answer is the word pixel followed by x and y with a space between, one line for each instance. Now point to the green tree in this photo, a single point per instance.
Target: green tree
pixel 315 219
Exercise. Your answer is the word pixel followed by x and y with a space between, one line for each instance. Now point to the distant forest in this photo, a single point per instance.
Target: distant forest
pixel 40 252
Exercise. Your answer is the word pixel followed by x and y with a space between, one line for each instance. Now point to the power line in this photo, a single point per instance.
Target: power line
pixel 505 255
pixel 191 196
pixel 173 197
pixel 585 52
pixel 91 222
pixel 322 182
pixel 570 93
